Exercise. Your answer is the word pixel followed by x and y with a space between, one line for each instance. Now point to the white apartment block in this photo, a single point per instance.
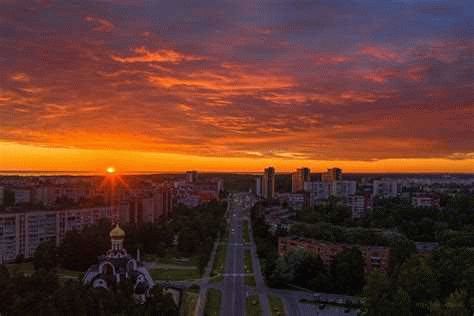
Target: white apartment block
pixel 317 189
pixel 386 188
pixel 343 188
pixel 2 195
pixel 22 232
pixel 22 195
pixel 359 205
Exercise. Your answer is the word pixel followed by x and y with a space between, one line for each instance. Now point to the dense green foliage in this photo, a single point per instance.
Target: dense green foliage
pixel 301 269
pixel 427 224
pixel 194 229
pixel 439 285
pixel 42 294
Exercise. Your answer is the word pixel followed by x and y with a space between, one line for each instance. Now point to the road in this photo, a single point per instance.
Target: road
pixel 234 291
pixel 233 286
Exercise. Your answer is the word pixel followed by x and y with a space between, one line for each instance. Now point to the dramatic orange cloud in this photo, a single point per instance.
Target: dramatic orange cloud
pixel 143 55
pixel 235 86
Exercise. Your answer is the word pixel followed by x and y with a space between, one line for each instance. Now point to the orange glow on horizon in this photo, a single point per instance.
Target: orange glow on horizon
pixel 110 170
pixel 27 157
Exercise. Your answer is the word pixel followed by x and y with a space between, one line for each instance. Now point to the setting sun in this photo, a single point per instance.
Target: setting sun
pixel 110 170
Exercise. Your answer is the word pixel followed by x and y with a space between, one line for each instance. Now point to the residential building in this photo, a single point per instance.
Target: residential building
pixel 333 174
pixel 295 201
pixel 386 188
pixel 359 205
pixel 375 257
pixel 426 248
pixel 202 191
pixel 343 188
pixel 22 195
pixel 425 200
pixel 191 176
pixel 318 191
pixel 2 195
pixel 22 232
pixel 268 185
pixel 298 179
pixel 258 186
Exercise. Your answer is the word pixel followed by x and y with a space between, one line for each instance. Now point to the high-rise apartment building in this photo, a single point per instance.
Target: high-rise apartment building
pixel 258 186
pixel 298 179
pixel 191 176
pixel 333 174
pixel 268 185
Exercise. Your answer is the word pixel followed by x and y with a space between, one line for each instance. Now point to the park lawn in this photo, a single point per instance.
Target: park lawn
pixel 246 231
pixel 189 303
pixel 219 261
pixel 276 305
pixel 248 262
pixel 213 302
pixel 174 274
pixel 250 280
pixel 252 306
pixel 25 268
pixel 185 262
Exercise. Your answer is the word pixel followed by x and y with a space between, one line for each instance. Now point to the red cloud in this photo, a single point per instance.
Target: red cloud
pixel 381 53
pixel 143 55
pixel 101 25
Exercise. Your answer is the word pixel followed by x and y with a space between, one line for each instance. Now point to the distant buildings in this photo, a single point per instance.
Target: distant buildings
pixel 22 232
pixel 298 179
pixel 258 186
pixel 343 188
pixel 318 191
pixel 386 188
pixel 194 191
pixel 295 201
pixel 22 195
pixel 375 257
pixel 191 176
pixel 425 200
pixel 268 183
pixel 359 205
pixel 333 174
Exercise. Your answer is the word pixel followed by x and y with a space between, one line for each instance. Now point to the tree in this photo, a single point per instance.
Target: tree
pixel 381 297
pixel 455 305
pixel 419 281
pixel 282 274
pixel 46 256
pixel 347 271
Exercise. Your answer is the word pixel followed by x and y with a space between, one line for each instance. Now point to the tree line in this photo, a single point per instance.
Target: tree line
pixel 441 284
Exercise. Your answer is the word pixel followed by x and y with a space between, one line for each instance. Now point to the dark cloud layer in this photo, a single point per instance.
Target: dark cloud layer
pixel 355 80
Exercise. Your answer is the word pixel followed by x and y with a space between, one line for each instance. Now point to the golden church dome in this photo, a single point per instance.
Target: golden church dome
pixel 117 232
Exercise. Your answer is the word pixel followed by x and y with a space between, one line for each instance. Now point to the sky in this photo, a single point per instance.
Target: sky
pixel 369 86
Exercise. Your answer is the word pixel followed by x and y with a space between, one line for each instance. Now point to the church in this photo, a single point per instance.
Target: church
pixel 117 266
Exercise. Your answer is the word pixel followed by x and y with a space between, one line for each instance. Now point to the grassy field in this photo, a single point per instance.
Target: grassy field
pixel 276 305
pixel 174 274
pixel 185 262
pixel 213 303
pixel 218 267
pixel 250 280
pixel 252 306
pixel 26 268
pixel 246 231
pixel 189 303
pixel 248 262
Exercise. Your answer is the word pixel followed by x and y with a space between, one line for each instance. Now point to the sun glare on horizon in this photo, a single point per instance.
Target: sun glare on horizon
pixel 110 170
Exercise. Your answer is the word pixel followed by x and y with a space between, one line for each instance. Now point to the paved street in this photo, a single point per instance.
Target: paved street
pixel 233 303
pixel 234 290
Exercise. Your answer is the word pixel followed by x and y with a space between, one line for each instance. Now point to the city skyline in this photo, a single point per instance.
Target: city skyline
pixel 237 86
